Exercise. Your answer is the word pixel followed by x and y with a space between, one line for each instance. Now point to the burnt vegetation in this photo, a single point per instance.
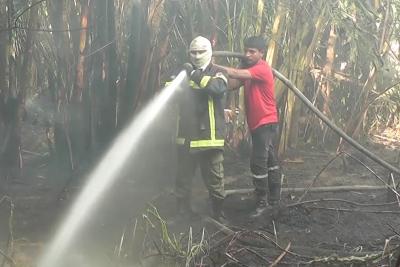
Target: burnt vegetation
pixel 73 74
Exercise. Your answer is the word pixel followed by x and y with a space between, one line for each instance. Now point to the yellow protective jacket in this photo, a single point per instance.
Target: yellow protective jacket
pixel 201 123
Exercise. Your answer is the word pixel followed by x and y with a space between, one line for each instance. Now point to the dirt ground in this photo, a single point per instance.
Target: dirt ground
pixel 343 227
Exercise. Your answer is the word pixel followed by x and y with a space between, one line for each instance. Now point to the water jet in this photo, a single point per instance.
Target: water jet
pixel 106 173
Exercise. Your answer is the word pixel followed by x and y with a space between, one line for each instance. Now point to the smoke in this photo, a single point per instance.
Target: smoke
pixel 121 153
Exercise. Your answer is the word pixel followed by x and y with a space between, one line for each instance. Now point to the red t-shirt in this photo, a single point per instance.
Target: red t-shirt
pixel 260 96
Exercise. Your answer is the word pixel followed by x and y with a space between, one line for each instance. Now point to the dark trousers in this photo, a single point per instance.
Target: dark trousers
pixel 264 164
pixel 212 172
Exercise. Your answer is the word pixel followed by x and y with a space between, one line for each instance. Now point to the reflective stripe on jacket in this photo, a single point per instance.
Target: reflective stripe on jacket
pixel 201 123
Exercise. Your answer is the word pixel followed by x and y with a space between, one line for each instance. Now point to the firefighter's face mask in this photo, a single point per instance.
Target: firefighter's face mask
pixel 200 52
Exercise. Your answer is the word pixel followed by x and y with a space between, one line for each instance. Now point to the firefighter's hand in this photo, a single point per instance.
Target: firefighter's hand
pixel 188 67
pixel 196 76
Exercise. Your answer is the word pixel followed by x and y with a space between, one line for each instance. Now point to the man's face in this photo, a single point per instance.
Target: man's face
pixel 199 57
pixel 253 55
pixel 196 54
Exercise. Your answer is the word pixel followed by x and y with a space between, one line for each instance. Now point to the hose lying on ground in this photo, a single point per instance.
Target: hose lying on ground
pixel 320 115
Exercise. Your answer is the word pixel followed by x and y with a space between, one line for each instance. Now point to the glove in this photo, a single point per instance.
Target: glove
pixel 188 67
pixel 196 76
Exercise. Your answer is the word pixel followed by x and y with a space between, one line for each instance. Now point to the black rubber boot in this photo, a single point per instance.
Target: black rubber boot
pixel 217 212
pixel 260 192
pixel 260 204
pixel 274 186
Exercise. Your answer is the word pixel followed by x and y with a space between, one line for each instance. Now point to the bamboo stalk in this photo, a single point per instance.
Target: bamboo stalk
pixel 276 34
pixel 259 18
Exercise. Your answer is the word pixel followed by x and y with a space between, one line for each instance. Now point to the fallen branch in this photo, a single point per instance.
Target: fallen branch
pixel 316 176
pixel 233 259
pixel 8 258
pixel 32 153
pixel 10 239
pixel 394 230
pixel 353 210
pixel 268 240
pixel 356 159
pixel 339 200
pixel 394 186
pixel 281 248
pixel 221 242
pixel 237 236
pixel 345 260
pixel 374 173
pixel 257 254
pixel 314 189
pixel 281 256
pixel 226 230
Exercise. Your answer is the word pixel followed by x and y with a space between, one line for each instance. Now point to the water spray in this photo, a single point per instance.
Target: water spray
pixel 106 173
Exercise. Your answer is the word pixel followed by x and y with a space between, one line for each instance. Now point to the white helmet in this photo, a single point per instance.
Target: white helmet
pixel 200 52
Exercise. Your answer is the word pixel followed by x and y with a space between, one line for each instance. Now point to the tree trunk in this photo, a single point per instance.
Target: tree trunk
pixel 111 114
pixel 62 81
pixel 320 130
pixel 80 67
pixel 359 111
pixel 276 37
pixel 4 45
pixel 77 115
pixel 303 41
pixel 259 18
pixel 11 47
pixel 330 58
pixel 15 107
pixel 135 64
pixel 103 96
pixel 149 82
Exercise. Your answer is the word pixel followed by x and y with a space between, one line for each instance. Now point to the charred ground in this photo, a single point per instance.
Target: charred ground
pixel 331 227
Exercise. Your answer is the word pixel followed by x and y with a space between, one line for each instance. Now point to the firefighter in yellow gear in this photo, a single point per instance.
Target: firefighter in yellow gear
pixel 201 130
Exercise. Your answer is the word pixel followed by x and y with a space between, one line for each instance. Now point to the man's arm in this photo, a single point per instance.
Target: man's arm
pixel 234 84
pixel 243 74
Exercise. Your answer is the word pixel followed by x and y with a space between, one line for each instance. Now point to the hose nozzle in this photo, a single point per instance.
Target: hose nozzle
pixel 188 68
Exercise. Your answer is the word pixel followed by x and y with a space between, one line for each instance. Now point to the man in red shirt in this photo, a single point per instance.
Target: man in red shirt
pixel 262 119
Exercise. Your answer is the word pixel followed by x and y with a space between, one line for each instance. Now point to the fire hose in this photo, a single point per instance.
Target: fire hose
pixel 319 114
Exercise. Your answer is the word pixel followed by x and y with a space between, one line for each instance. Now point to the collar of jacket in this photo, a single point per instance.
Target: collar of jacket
pixel 204 67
